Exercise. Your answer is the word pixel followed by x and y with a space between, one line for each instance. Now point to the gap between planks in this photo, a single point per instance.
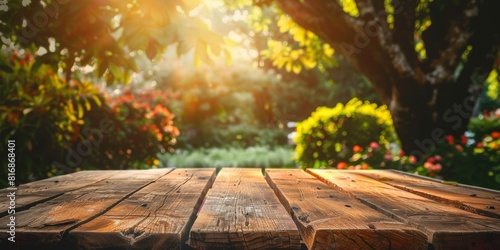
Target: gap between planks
pixel 46 224
pixel 329 219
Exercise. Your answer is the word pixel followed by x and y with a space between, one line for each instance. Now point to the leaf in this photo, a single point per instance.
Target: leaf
pixel 115 70
pixel 151 50
pixel 296 68
pixel 288 66
pixel 227 55
pixel 6 68
pixel 187 41
pixel 80 110
pixel 200 53
pixel 97 100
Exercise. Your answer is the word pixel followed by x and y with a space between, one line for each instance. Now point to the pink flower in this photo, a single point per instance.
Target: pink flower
pixel 428 165
pixel 438 157
pixel 374 145
pixel 387 157
pixel 459 148
pixel 412 159
pixel 436 167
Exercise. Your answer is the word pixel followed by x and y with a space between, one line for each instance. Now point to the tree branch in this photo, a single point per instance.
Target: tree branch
pixel 404 27
pixel 454 24
pixel 347 35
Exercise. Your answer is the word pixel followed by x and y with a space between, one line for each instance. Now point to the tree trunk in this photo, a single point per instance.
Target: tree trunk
pixel 424 118
pixel 429 97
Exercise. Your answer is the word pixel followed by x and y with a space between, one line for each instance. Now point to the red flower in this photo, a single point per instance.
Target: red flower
pixel 450 139
pixel 463 139
pixel 365 166
pixel 341 165
pixel 357 149
pixel 495 134
pixel 479 145
pixel 431 160
pixel 401 153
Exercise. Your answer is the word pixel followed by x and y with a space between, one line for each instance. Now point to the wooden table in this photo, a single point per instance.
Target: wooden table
pixel 249 209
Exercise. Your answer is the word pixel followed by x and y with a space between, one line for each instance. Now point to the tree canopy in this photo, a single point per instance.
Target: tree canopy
pixel 106 34
pixel 427 59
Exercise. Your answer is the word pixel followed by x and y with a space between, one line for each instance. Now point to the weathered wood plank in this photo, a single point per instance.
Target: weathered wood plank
pixel 47 223
pixel 158 216
pixel 32 193
pixel 477 201
pixel 329 219
pixel 242 212
pixel 446 227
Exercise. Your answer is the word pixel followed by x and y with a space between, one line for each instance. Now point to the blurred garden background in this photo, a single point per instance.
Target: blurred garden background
pixel 240 83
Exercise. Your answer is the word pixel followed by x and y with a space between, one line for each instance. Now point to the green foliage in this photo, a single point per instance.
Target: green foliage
pixel 141 129
pixel 236 136
pixel 41 112
pixel 61 127
pixel 485 124
pixel 330 135
pixel 105 34
pixel 476 163
pixel 252 157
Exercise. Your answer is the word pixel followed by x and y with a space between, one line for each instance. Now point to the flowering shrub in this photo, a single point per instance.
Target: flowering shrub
pixel 355 132
pixel 143 129
pixel 40 111
pixel 476 163
pixel 58 125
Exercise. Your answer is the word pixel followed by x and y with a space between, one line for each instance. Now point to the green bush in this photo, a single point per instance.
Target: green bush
pixel 252 157
pixel 332 135
pixel 61 126
pixel 485 124
pixel 239 136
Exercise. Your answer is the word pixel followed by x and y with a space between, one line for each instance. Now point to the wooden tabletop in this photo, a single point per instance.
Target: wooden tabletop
pixel 250 209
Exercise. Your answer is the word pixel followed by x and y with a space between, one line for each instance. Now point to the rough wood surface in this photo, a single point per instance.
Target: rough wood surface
pixel 47 223
pixel 32 193
pixel 158 216
pixel 242 212
pixel 477 201
pixel 329 219
pixel 446 227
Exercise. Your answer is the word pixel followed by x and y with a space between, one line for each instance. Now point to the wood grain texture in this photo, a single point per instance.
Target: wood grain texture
pixel 47 223
pixel 329 219
pixel 32 193
pixel 477 201
pixel 446 227
pixel 158 216
pixel 242 212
